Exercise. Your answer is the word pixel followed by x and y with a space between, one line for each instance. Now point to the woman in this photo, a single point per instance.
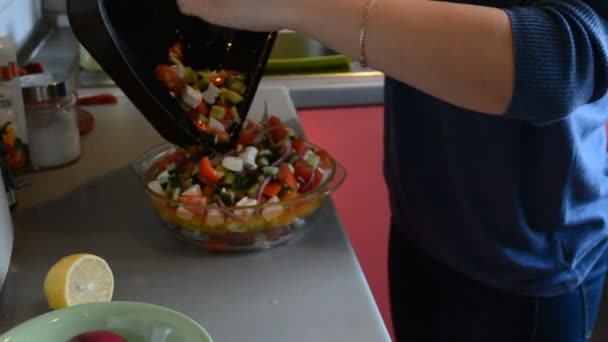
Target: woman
pixel 495 154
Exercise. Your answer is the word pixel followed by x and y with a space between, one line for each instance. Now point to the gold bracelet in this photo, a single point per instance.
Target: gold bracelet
pixel 363 32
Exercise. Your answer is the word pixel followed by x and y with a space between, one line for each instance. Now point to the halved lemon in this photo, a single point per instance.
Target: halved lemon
pixel 78 279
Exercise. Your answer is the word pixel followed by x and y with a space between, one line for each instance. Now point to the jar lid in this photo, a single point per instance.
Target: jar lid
pixel 42 87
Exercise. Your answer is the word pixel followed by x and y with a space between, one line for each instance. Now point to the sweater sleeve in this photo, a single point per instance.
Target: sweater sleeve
pixel 561 58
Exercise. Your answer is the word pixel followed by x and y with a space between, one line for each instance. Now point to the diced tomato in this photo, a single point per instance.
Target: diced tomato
pixel 202 108
pixel 194 200
pixel 249 125
pixel 223 74
pixel 202 126
pixel 302 170
pixel 169 78
pixel 272 189
pixel 227 122
pixel 222 136
pixel 274 121
pixel 188 167
pixel 246 138
pixel 218 81
pixel 317 181
pixel 287 177
pixel 325 159
pixel 278 132
pixel 282 149
pixel 177 157
pixel 208 190
pixel 176 51
pixel 207 172
pixel 299 146
pixel 193 114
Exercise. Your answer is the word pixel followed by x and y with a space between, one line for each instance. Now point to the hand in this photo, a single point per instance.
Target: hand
pixel 252 15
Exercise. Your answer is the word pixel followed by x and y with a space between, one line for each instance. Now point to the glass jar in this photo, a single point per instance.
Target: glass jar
pixel 52 121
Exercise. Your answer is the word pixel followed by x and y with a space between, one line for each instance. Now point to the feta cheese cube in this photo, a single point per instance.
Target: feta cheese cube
pixel 214 218
pixel 245 201
pixel 290 132
pixel 192 97
pixel 156 187
pixel 214 123
pixel 272 212
pixel 234 164
pixel 248 156
pixel 235 226
pixel 194 190
pixel 184 213
pixel 180 70
pixel 163 176
pixel 211 94
pixel 325 173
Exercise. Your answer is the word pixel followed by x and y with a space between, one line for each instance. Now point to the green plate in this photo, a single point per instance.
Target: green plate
pixel 136 322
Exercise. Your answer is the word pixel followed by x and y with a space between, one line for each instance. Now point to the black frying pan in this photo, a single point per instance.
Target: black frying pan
pixel 128 38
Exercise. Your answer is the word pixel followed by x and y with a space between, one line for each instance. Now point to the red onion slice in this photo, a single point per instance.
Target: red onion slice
pixel 265 182
pixel 225 211
pixel 310 181
pixel 285 156
pixel 216 160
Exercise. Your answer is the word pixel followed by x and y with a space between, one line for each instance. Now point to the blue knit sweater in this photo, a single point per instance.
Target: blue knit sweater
pixel 518 202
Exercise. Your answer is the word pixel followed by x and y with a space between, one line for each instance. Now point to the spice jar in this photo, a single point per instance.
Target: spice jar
pixel 52 122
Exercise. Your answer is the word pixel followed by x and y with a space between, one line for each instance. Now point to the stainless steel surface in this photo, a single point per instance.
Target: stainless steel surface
pixel 58 52
pixel 41 87
pixel 6 234
pixel 310 290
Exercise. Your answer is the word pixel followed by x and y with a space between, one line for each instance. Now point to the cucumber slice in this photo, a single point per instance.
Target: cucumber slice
pixel 229 179
pixel 227 197
pixel 175 194
pixel 217 112
pixel 313 160
pixel 253 190
pixel 265 154
pixel 242 180
pixel 270 171
pixel 236 83
pixel 261 162
pixel 231 96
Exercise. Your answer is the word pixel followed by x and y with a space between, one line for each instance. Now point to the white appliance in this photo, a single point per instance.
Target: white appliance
pixel 6 234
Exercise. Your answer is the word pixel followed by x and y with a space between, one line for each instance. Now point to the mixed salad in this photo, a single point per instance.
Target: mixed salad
pixel 210 97
pixel 270 164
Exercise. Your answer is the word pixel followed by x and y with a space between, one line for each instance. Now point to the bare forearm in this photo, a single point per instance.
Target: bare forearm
pixel 461 54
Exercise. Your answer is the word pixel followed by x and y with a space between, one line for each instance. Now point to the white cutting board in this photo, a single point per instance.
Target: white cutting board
pixel 6 234
pixel 279 104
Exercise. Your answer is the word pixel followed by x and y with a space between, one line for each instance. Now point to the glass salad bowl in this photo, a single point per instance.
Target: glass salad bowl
pixel 242 226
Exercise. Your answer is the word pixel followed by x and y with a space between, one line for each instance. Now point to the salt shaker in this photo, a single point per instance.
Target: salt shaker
pixel 52 121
